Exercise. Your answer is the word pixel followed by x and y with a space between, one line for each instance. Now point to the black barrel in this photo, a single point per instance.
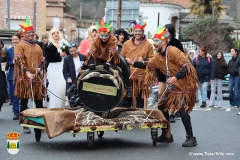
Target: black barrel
pixel 99 94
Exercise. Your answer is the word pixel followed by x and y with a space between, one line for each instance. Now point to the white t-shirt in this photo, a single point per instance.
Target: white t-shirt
pixel 77 64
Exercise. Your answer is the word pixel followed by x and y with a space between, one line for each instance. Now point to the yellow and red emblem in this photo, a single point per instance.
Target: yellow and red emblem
pixel 13 136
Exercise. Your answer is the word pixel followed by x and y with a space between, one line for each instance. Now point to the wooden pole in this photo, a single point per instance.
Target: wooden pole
pixel 119 14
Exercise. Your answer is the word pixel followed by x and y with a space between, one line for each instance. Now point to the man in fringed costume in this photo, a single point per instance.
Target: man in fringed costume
pixel 135 48
pixel 28 60
pixel 104 50
pixel 181 80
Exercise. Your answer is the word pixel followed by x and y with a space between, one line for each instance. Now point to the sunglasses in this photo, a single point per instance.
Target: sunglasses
pixel 29 32
pixel 137 31
pixel 157 40
pixel 104 36
pixel 72 45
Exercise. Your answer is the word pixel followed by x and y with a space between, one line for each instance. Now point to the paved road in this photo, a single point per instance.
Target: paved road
pixel 217 132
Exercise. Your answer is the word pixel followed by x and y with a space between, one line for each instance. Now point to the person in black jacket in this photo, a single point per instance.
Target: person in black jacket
pixel 71 66
pixel 234 80
pixel 122 36
pixel 220 68
pixel 3 68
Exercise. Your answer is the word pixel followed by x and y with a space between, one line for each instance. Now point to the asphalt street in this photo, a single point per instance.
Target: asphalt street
pixel 217 132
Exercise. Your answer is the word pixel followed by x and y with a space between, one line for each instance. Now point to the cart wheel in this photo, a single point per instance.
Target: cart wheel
pixel 90 143
pixel 90 138
pixel 100 134
pixel 154 140
pixel 154 134
pixel 37 134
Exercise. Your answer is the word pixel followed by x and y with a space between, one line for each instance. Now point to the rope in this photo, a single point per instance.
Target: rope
pixel 44 85
pixel 155 105
pixel 32 93
pixel 134 69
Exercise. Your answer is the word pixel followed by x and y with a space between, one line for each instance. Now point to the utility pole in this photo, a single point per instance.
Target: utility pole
pixel 158 22
pixel 212 10
pixel 35 17
pixel 79 21
pixel 119 14
pixel 8 6
pixel 80 14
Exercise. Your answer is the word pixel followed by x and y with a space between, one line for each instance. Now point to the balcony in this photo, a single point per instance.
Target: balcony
pixel 50 25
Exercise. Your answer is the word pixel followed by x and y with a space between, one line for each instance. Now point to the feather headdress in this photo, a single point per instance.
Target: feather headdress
pixel 138 25
pixel 104 27
pixel 161 33
pixel 26 26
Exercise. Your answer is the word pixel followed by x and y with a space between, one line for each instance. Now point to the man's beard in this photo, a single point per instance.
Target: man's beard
pixel 159 49
pixel 140 38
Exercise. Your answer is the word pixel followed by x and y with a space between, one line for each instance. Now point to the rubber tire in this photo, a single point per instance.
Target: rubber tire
pixel 154 140
pixel 100 134
pixel 90 143
pixel 38 134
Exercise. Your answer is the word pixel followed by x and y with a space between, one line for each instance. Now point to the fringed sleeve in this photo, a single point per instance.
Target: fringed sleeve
pixel 114 57
pixel 184 92
pixel 19 63
pixel 91 53
pixel 150 78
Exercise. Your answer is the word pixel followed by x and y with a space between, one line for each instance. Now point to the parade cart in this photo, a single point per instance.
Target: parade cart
pixel 57 121
pixel 100 92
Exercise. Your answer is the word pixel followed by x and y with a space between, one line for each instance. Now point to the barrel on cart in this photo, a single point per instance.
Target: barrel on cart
pixel 100 90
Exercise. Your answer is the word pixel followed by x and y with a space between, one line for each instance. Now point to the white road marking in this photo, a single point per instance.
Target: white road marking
pixel 228 109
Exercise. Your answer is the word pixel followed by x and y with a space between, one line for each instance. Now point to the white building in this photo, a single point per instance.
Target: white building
pixel 160 14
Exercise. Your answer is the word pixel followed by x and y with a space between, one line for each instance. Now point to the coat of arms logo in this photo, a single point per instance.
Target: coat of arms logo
pixel 13 142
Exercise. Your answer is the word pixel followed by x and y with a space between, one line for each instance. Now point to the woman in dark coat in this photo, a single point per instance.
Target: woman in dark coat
pixel 220 68
pixel 234 80
pixel 3 81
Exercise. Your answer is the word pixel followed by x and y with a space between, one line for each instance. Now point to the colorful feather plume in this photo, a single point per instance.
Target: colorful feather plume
pixel 104 27
pixel 138 25
pixel 161 33
pixel 27 25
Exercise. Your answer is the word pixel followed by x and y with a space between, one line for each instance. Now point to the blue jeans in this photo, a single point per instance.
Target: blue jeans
pixel 203 90
pixel 15 99
pixel 234 91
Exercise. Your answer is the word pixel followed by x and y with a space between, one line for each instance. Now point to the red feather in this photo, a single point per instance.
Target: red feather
pixel 102 23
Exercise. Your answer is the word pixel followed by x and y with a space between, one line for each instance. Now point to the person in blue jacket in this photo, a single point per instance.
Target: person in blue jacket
pixel 205 72
pixel 10 56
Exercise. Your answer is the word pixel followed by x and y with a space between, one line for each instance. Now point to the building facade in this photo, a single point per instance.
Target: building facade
pixel 49 14
pixel 19 9
pixel 56 18
pixel 161 13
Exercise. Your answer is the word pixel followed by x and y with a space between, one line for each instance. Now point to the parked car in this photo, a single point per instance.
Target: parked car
pixel 225 92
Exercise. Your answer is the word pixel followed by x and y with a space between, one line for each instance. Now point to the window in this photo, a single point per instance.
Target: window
pixel 56 22
pixel 14 23
pixel 174 21
pixel 73 25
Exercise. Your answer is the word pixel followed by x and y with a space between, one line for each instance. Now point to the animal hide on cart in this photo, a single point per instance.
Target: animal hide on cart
pixel 59 120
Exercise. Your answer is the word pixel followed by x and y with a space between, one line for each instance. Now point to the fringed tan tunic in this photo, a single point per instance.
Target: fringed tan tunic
pixel 185 88
pixel 26 55
pixel 134 51
pixel 107 53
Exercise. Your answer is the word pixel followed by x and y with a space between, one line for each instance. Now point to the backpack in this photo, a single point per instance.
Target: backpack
pixel 196 60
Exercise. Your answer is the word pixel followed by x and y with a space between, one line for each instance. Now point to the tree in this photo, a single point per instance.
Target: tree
pixel 68 9
pixel 206 7
pixel 210 33
pixel 235 44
